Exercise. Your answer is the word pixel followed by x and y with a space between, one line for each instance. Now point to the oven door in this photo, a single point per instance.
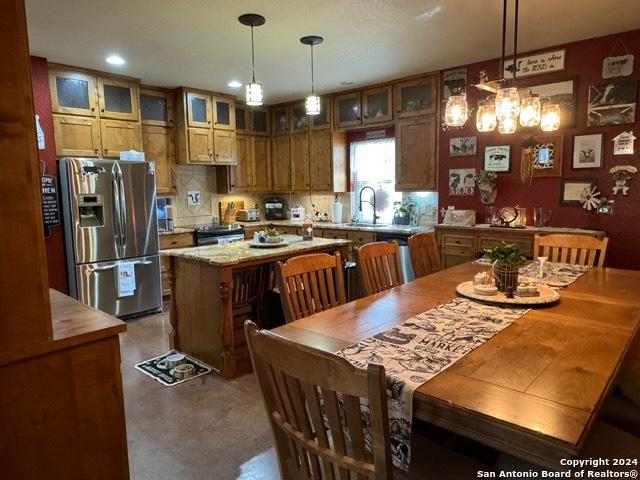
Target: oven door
pixel 220 240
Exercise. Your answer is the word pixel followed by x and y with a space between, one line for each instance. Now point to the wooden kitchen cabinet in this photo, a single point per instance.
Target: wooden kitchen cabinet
pixel 118 136
pixel 300 162
pixel 156 107
pixel 76 136
pixel 199 111
pixel 224 113
pixel 73 93
pixel 416 97
pixel 322 121
pixel 281 164
pixel 261 162
pixel 158 147
pixel 241 174
pixel 200 143
pixel 299 118
pixel 416 166
pixel 243 118
pixel 347 110
pixel 224 147
pixel 280 121
pixel 377 105
pixel 260 121
pixel 321 160
pixel 118 99
pixel 167 241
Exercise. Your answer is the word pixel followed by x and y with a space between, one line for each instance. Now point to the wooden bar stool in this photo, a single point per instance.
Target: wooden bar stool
pixel 309 284
pixel 573 249
pixel 379 267
pixel 425 258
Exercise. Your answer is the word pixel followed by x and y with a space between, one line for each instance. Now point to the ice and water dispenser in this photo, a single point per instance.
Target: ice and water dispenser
pixel 91 210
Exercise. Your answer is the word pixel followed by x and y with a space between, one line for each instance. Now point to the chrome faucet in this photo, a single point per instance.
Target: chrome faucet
pixel 360 202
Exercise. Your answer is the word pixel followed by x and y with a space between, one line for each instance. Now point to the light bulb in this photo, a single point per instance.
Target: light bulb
pixel 486 117
pixel 507 103
pixel 456 111
pixel 530 111
pixel 253 94
pixel 508 124
pixel 550 117
pixel 312 105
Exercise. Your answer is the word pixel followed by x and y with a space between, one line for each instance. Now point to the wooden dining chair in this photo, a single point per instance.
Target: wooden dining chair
pixel 574 249
pixel 379 268
pixel 309 284
pixel 297 384
pixel 425 258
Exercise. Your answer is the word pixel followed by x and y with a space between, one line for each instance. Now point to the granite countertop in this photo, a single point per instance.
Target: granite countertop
pixel 366 227
pixel 487 227
pixel 177 230
pixel 237 252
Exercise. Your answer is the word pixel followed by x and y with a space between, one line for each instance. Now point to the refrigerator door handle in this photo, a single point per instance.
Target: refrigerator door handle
pixel 123 209
pixel 111 267
pixel 117 222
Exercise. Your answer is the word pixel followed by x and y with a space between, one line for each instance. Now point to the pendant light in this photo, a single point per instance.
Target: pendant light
pixel 530 108
pixel 486 120
pixel 456 111
pixel 312 102
pixel 550 117
pixel 254 93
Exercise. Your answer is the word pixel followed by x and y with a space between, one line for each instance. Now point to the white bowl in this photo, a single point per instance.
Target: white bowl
pixel 276 239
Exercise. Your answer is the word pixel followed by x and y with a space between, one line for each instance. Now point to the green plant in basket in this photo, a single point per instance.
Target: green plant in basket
pixel 271 231
pixel 506 254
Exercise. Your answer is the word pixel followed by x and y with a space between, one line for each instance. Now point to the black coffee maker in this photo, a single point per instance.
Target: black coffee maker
pixel 274 209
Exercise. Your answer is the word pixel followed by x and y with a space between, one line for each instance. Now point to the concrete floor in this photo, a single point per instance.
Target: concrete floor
pixel 209 428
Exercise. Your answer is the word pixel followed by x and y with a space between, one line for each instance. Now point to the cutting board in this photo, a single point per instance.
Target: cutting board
pixel 222 208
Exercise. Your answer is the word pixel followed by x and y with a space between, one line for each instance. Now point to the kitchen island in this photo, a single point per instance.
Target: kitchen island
pixel 215 288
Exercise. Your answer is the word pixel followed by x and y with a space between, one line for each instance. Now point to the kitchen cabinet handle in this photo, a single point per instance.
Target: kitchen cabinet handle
pixel 209 122
pixel 93 109
pixel 95 150
pixel 102 110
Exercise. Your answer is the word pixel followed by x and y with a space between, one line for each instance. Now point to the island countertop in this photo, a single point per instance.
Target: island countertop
pixel 238 252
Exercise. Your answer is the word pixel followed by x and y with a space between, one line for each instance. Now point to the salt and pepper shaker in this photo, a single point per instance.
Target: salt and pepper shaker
pixel 543 261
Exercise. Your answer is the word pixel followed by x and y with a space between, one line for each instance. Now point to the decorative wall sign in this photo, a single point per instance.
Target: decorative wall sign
pixel 50 208
pixel 587 151
pixel 194 198
pixel 572 191
pixel 536 64
pixel 562 93
pixel 606 206
pixel 623 143
pixel 612 103
pixel 463 146
pixel 497 158
pixel 547 157
pixel 590 198
pixel 40 134
pixel 453 82
pixel 621 176
pixel 462 182
pixel 621 66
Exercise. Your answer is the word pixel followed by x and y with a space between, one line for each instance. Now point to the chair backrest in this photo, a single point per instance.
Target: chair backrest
pixel 302 387
pixel 379 267
pixel 574 249
pixel 425 258
pixel 309 284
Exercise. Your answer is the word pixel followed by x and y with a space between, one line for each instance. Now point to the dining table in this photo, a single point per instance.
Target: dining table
pixel 536 388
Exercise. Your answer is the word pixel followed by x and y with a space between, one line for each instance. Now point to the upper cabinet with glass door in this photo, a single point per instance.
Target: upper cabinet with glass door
pixel 347 110
pixel 280 123
pixel 299 118
pixel 199 110
pixel 224 113
pixel 243 116
pixel 73 93
pixel 416 97
pixel 156 107
pixel 323 119
pixel 376 105
pixel 118 99
pixel 260 121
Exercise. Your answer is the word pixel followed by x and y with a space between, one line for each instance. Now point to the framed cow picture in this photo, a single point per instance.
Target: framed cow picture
pixel 462 182
pixel 612 103
pixel 587 151
pixel 497 158
pixel 463 146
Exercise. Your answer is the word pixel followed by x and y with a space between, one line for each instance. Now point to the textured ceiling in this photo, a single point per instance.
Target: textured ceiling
pixel 200 43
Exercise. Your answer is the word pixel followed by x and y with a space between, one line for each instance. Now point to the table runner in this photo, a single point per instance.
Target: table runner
pixel 427 344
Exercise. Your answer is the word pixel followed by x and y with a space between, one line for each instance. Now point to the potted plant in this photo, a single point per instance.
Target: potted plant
pixel 403 212
pixel 272 235
pixel 487 183
pixel 506 261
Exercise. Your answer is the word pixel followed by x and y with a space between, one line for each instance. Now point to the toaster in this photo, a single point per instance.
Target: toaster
pixel 248 215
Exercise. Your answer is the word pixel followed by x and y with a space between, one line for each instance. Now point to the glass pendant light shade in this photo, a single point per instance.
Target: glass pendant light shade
pixel 486 120
pixel 254 94
pixel 456 111
pixel 507 103
pixel 550 117
pixel 312 105
pixel 508 124
pixel 530 108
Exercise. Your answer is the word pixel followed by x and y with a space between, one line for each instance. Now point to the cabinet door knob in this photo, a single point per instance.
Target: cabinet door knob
pixel 102 110
pixel 209 122
pixel 93 109
pixel 95 150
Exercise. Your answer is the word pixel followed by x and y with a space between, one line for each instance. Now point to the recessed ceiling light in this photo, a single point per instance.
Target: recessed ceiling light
pixel 234 84
pixel 346 83
pixel 115 60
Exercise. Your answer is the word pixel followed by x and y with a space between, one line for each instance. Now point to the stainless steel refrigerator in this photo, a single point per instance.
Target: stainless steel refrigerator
pixel 111 234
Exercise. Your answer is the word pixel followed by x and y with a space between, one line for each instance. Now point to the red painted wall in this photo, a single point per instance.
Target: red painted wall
pixel 584 60
pixel 42 100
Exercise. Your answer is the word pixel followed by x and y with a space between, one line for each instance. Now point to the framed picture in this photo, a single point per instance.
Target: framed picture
pixel 462 182
pixel 463 146
pixel 562 92
pixel 497 158
pixel 612 103
pixel 453 82
pixel 535 64
pixel 571 191
pixel 547 153
pixel 621 66
pixel 587 151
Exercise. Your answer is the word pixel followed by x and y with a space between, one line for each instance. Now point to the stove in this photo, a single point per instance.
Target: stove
pixel 213 234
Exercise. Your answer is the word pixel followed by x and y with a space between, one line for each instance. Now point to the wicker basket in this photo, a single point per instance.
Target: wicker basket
pixel 506 276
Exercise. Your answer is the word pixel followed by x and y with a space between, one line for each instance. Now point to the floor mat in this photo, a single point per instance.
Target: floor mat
pixel 157 369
